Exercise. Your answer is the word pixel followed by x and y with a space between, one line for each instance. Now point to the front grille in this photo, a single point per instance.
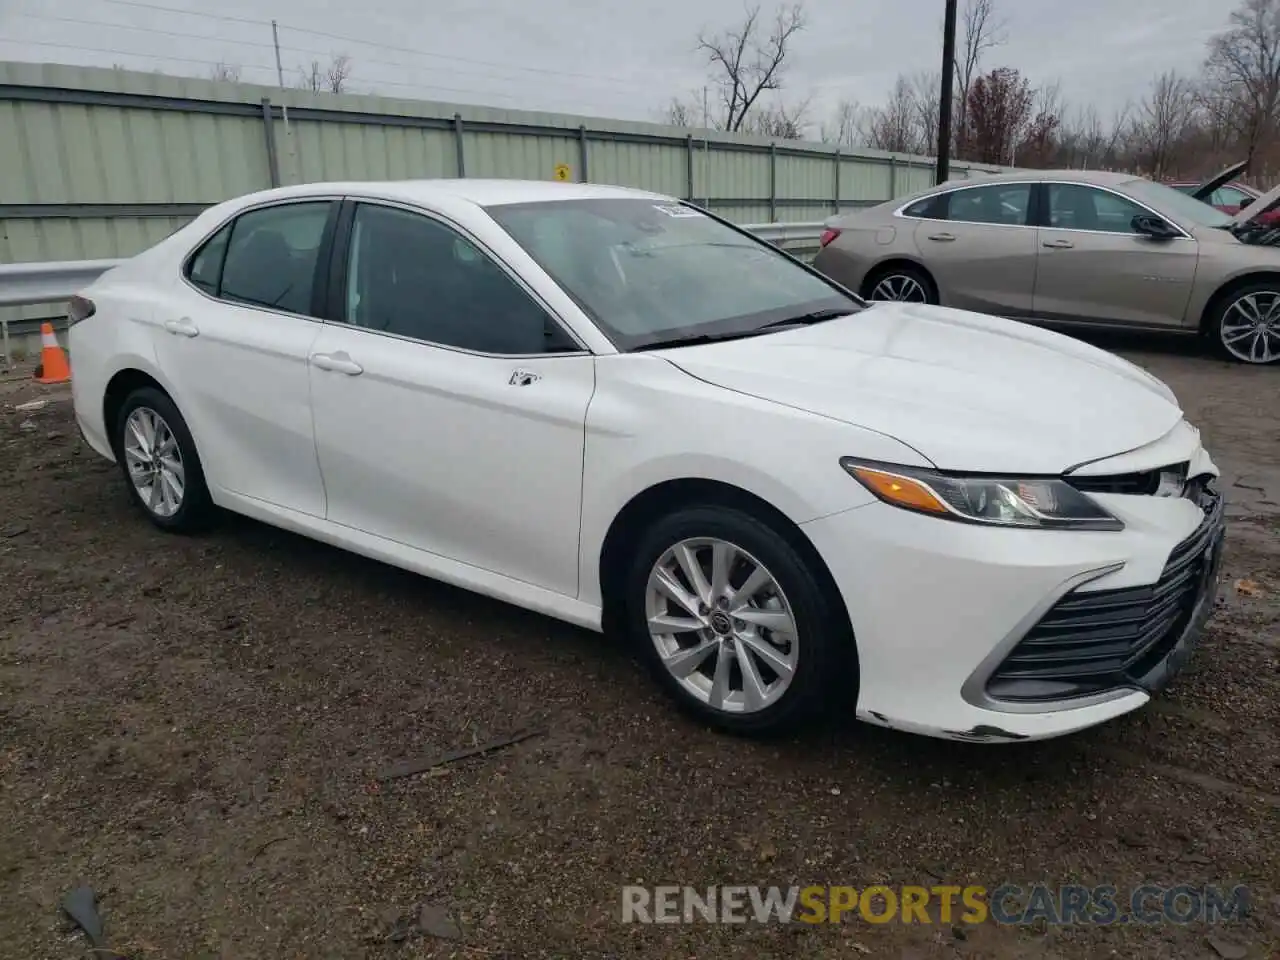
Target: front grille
pixel 1144 483
pixel 1098 640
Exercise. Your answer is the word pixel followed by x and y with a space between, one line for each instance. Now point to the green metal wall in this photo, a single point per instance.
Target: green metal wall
pixel 103 163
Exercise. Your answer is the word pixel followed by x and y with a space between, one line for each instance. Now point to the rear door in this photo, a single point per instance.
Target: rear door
pixel 978 244
pixel 233 341
pixel 1094 267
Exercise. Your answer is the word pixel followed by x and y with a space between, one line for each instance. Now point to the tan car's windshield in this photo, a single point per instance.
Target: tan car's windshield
pixel 1175 204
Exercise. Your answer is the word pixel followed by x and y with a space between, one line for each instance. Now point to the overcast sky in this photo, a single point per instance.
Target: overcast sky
pixel 619 59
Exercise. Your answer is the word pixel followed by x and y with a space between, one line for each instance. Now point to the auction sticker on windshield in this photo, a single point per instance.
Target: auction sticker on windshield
pixel 674 210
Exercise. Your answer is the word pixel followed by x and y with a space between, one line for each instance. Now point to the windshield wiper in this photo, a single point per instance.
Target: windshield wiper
pixel 806 319
pixel 694 340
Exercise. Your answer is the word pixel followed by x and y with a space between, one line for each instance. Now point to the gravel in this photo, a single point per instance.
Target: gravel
pixel 195 726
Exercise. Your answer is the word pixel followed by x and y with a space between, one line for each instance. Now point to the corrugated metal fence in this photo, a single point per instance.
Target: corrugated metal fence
pixel 103 163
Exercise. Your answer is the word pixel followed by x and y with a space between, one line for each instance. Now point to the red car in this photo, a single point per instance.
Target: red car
pixel 1228 195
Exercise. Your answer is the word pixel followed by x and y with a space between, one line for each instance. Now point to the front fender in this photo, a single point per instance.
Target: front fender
pixel 787 457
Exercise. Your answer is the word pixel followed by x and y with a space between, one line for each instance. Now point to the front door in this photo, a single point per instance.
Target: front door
pixel 233 340
pixel 1093 266
pixel 450 407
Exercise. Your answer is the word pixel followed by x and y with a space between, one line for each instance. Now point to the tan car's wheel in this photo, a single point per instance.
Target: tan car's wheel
pixel 1247 324
pixel 903 284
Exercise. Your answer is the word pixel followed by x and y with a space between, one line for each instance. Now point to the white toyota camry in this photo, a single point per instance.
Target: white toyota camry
pixel 611 407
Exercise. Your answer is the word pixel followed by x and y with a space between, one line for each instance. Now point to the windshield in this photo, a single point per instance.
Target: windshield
pixel 1176 204
pixel 649 272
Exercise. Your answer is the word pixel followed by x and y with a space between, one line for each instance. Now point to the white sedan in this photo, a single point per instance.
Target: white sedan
pixel 613 408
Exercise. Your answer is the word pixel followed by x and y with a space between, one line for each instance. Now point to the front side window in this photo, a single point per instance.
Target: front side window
pixel 650 272
pixel 270 259
pixel 1074 206
pixel 995 203
pixel 415 277
pixel 1181 208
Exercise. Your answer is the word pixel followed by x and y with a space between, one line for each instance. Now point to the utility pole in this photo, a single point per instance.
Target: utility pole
pixel 275 40
pixel 947 92
pixel 706 148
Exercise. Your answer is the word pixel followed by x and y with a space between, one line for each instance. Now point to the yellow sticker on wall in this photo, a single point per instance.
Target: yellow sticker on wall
pixel 563 172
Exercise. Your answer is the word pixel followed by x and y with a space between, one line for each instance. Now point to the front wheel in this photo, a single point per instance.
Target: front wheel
pixel 734 623
pixel 1246 324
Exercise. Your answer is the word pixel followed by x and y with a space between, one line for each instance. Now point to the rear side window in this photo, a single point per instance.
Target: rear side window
pixel 265 257
pixel 205 268
pixel 930 208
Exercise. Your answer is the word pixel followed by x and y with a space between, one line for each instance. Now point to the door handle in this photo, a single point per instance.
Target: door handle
pixel 337 362
pixel 1059 244
pixel 182 328
pixel 942 237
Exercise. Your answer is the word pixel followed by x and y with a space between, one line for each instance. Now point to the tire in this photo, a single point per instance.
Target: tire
pixel 820 653
pixel 193 509
pixel 1229 315
pixel 901 277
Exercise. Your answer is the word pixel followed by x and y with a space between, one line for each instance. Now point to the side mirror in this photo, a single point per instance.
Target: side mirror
pixel 1246 202
pixel 1153 227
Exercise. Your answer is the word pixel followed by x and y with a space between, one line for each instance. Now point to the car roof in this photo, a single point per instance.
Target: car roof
pixel 1105 177
pixel 482 192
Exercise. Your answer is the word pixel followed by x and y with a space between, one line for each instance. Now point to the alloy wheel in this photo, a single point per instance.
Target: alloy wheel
pixel 154 461
pixel 722 626
pixel 899 286
pixel 1250 328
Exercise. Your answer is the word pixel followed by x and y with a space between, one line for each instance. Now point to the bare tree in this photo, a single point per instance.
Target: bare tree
pixel 926 109
pixel 677 113
pixel 1163 122
pixel 779 121
pixel 746 61
pixel 1243 73
pixel 226 72
pixel 892 127
pixel 846 126
pixel 981 30
pixel 330 78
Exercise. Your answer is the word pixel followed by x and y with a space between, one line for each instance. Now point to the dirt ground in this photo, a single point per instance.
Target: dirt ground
pixel 193 727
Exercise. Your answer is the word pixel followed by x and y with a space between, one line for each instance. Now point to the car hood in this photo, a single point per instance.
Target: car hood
pixel 1206 188
pixel 1258 208
pixel 967 391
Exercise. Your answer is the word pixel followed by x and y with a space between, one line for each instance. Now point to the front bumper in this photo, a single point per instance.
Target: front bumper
pixel 976 633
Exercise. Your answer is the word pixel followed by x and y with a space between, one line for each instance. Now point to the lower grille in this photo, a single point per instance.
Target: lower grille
pixel 1093 641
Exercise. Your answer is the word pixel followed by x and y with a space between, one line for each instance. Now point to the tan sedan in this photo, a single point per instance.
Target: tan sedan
pixel 1071 248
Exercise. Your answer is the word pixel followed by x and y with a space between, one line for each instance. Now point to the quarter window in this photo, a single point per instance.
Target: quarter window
pixel 930 208
pixel 996 204
pixel 266 257
pixel 205 268
pixel 1080 207
pixel 415 277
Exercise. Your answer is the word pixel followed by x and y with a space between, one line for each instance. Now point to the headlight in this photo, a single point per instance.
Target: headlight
pixel 1041 502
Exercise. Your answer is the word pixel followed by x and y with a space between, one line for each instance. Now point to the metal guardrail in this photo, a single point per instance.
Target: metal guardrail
pixel 788 233
pixel 22 284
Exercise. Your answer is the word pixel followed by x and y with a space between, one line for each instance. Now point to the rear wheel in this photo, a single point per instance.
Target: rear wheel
pixel 158 456
pixel 734 623
pixel 903 283
pixel 1245 324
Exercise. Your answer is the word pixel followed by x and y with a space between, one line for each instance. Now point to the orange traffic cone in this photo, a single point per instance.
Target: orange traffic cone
pixel 53 366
